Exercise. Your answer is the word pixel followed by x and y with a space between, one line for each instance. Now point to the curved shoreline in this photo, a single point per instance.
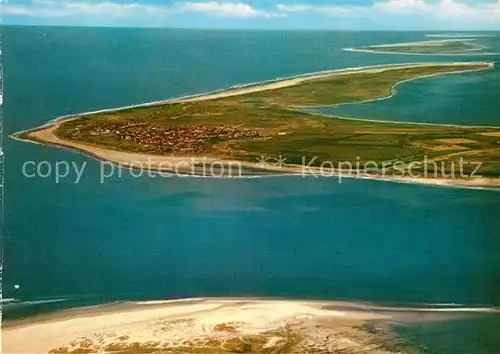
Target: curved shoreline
pixel 190 165
pixel 419 54
pixel 114 307
pixel 460 36
pixel 199 321
pixel 464 52
pixel 240 89
pixel 266 85
pixel 393 92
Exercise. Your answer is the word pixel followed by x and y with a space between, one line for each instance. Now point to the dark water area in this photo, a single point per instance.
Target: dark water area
pixel 70 244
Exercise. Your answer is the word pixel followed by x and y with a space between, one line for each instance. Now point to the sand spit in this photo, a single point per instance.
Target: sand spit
pixel 204 326
pixel 300 79
pixel 201 166
pixel 460 35
pixel 168 166
pixel 379 49
pixel 197 326
pixel 219 325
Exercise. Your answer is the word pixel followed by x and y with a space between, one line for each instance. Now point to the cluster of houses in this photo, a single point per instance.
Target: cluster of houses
pixel 193 138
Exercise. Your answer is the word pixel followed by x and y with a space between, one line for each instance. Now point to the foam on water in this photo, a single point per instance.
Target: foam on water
pixel 18 303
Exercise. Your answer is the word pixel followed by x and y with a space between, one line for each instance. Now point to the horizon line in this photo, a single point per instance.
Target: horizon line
pixel 251 29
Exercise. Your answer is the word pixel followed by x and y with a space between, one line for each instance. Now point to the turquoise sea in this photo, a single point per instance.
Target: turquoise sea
pixel 69 245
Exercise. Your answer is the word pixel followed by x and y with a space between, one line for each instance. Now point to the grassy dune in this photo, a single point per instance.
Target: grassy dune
pixel 276 127
pixel 430 47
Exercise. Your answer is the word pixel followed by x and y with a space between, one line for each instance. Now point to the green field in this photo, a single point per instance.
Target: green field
pixel 284 131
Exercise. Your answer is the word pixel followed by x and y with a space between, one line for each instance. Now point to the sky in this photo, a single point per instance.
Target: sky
pixel 457 15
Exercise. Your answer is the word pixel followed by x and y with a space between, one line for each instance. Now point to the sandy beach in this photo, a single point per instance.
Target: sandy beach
pixel 303 78
pixel 471 53
pixel 214 167
pixel 465 52
pixel 217 325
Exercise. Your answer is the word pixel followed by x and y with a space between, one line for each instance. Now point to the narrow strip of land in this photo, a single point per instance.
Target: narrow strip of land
pixel 447 47
pixel 217 325
pixel 258 129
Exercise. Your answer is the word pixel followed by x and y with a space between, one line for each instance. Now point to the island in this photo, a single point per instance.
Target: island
pixel 461 35
pixel 264 129
pixel 219 325
pixel 455 46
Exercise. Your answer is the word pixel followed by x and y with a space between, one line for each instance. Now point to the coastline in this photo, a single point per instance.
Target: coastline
pixel 460 35
pixel 419 54
pixel 191 165
pixel 464 52
pixel 240 87
pixel 393 92
pixel 214 323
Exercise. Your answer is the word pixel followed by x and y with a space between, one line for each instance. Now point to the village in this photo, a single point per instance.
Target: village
pixel 184 138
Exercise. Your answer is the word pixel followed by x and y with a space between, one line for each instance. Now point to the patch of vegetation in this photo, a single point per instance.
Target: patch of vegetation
pixel 258 343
